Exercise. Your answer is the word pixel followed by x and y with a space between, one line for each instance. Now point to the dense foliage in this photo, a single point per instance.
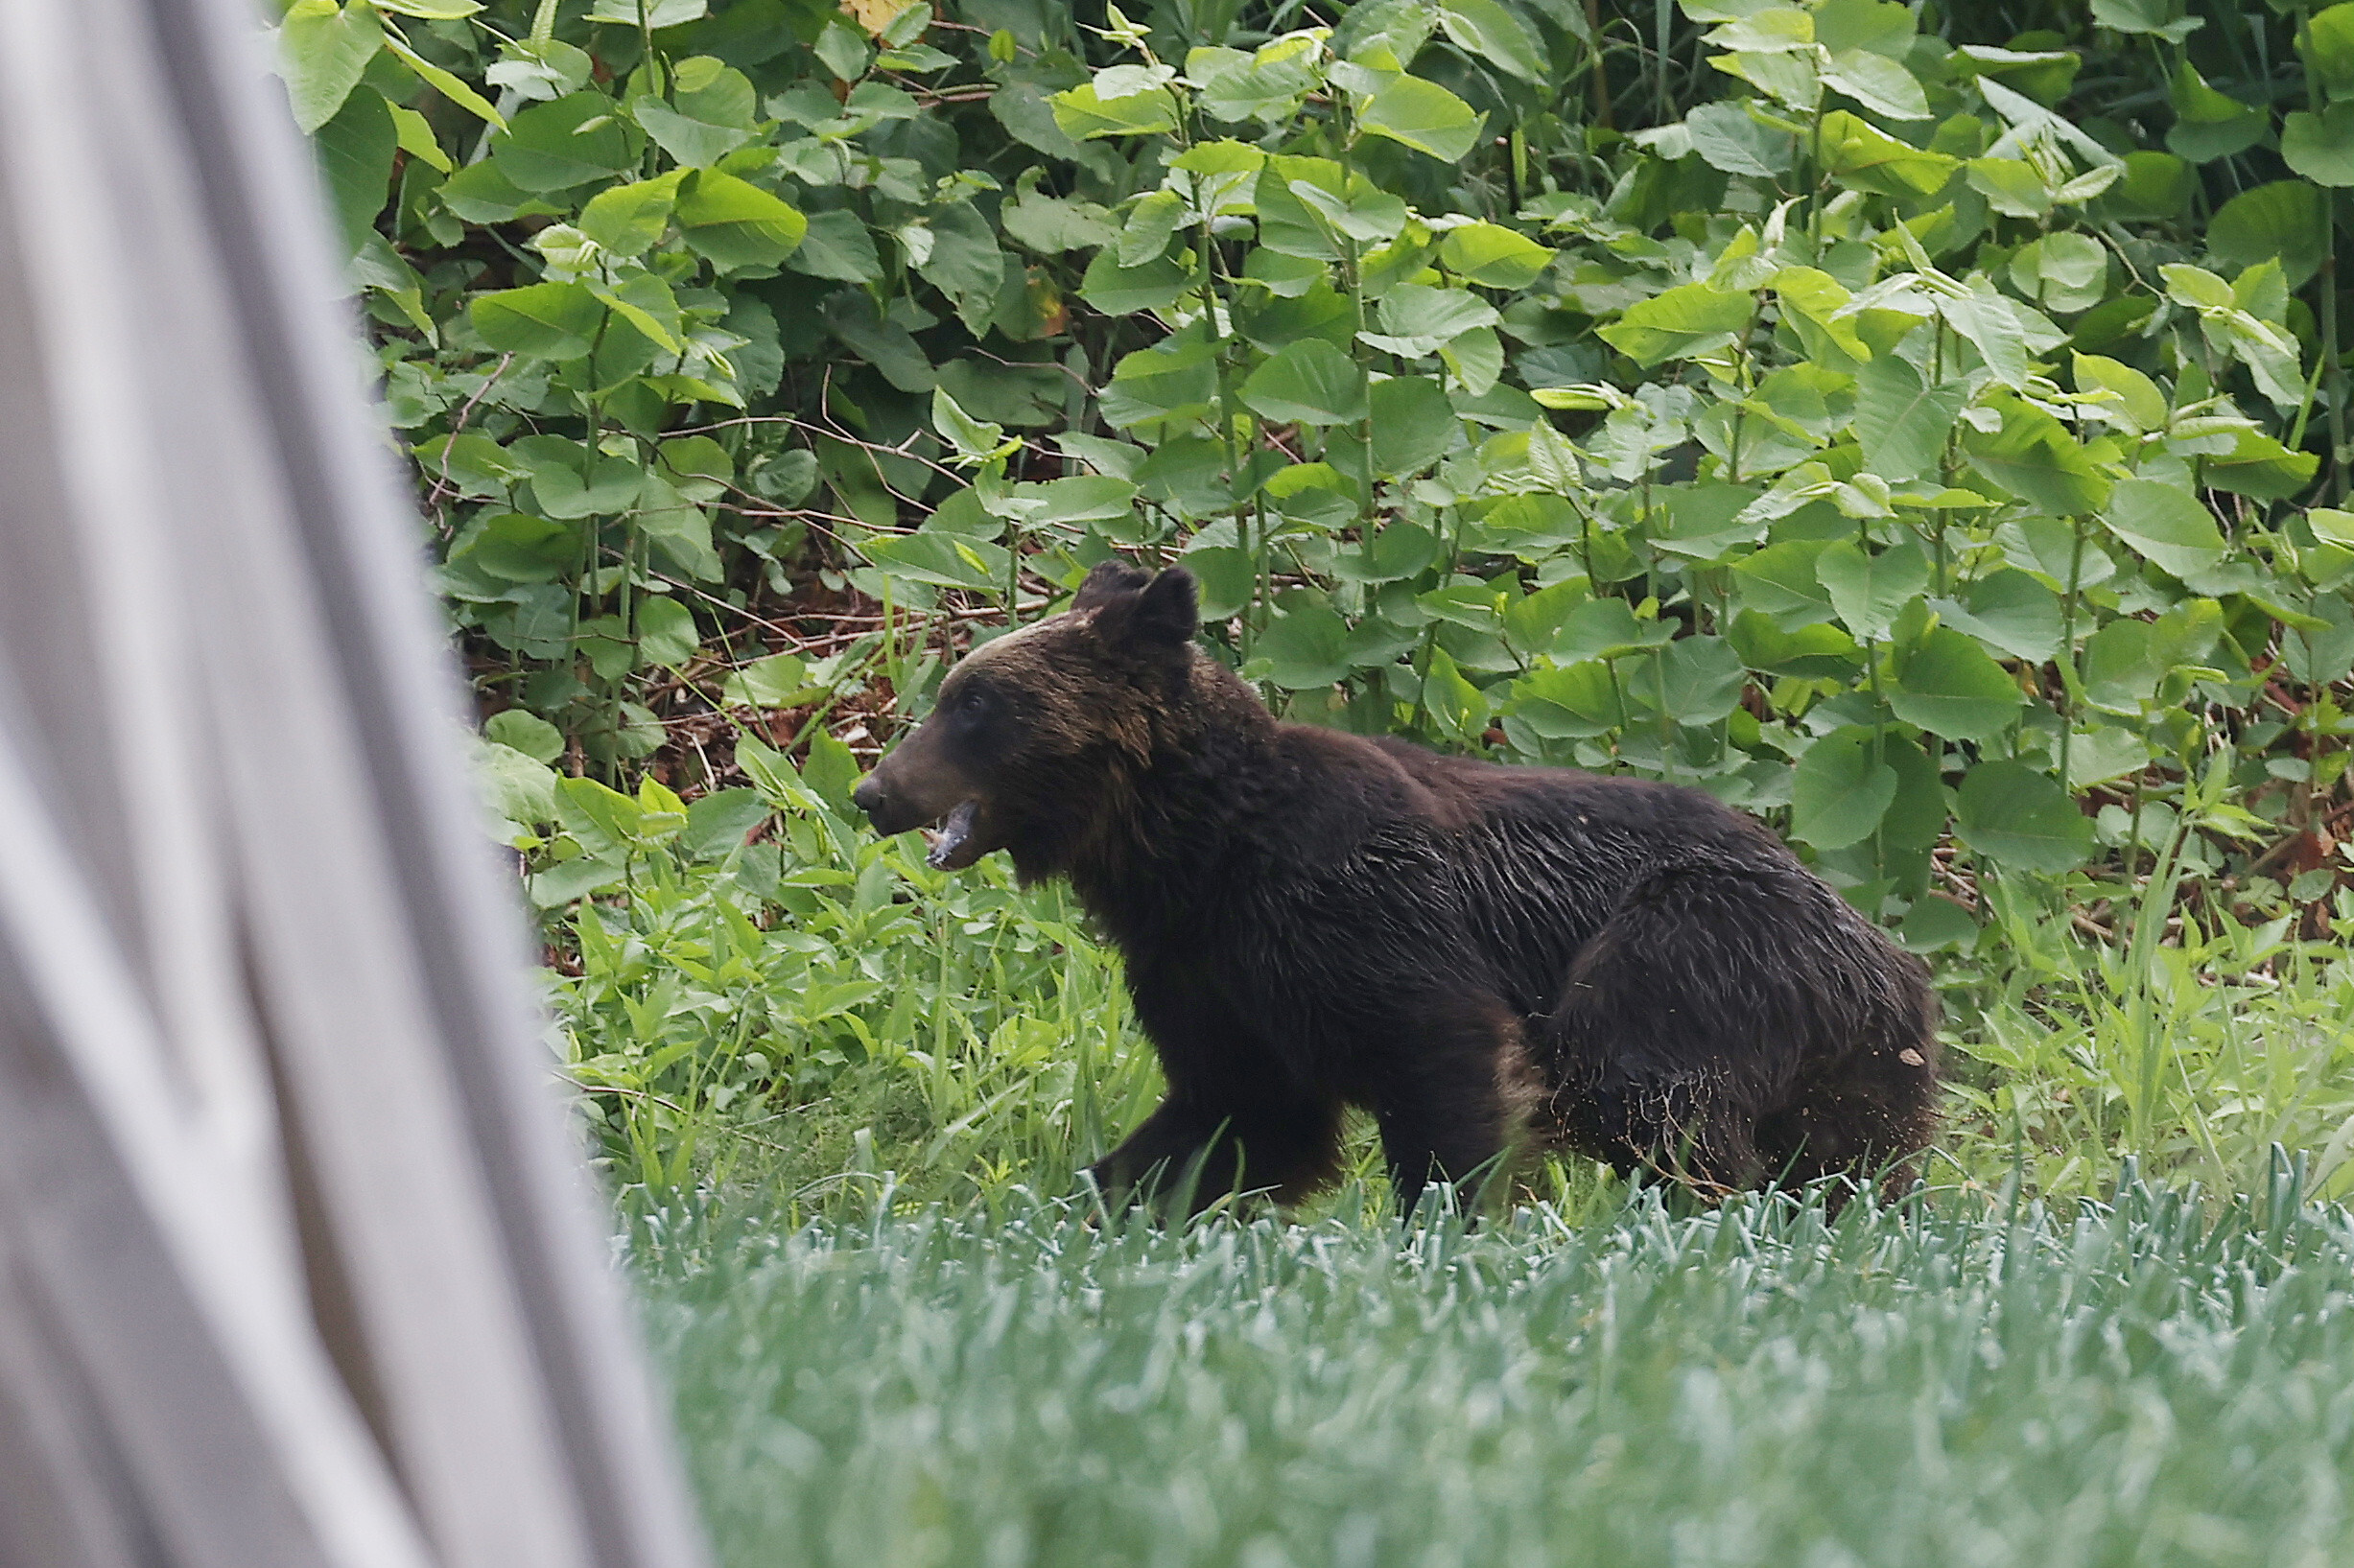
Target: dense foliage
pixel 1917 428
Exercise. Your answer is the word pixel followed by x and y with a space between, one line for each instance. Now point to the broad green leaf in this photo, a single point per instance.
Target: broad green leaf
pixel 1609 628
pixel 416 134
pixel 1490 33
pixel 550 147
pixel 1729 137
pixel 1879 83
pixel 945 559
pixel 1781 581
pixel 666 631
pixel 1493 256
pixel 431 10
pixel 1083 116
pixel 965 262
pixel 653 13
pixel 2281 219
pixel 1125 291
pixel 526 733
pixel 1459 707
pixel 2320 147
pixel 1305 648
pixel 1416 320
pixel 2166 19
pixel 571 480
pixel 516 547
pixel 1866 158
pixel 781 680
pixel 1425 116
pixel 2032 457
pixel 2020 819
pixel 2208 125
pixel 2009 610
pixel 1949 687
pixel 1903 422
pixel 695 142
pixel 1680 323
pixel 1703 678
pixel 2328 46
pixel 1984 318
pixel 355 152
pixel 1413 425
pixel 1811 652
pixel 2166 524
pixel 444 82
pixel 544 321
pixel 1839 790
pixel 324 49
pixel 1570 702
pixel 735 222
pixel 2137 399
pixel 1309 382
pixel 1869 591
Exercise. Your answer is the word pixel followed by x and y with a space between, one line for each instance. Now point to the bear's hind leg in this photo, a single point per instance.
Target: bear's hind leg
pixel 1454 1095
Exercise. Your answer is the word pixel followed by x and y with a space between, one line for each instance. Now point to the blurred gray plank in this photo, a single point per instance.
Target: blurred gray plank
pixel 298 1261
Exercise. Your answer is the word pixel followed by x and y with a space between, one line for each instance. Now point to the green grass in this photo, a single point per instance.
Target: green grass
pixel 2160 1381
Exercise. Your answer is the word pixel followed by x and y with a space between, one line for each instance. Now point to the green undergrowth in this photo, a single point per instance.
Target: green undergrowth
pixel 2149 1381
pixel 815 1012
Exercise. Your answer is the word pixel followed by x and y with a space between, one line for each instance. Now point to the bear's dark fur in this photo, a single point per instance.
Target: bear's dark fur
pixel 1312 920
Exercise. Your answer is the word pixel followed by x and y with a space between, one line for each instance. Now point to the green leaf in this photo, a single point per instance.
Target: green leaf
pixel 1781 581
pixel 2320 147
pixel 544 321
pixel 322 52
pixel 1425 116
pixel 1309 382
pixel 2009 610
pixel 2020 819
pixel 2160 19
pixel 1869 591
pixel 630 220
pixel 1493 256
pixel 1083 116
pixel 2207 125
pixel 431 10
pixel 1866 158
pixel 2032 457
pixel 1948 686
pixel 735 222
pixel 1984 318
pixel 2165 524
pixel 1879 83
pixel 666 631
pixel 355 150
pixel 947 560
pixel 1305 648
pixel 1703 679
pixel 965 262
pixel 1488 33
pixel 526 733
pixel 2328 46
pixel 2137 396
pixel 1903 422
pixel 552 147
pixel 1839 790
pixel 1413 425
pixel 1459 707
pixel 1680 323
pixel 1730 137
pixel 1125 291
pixel 2281 219
pixel 444 83
pixel 697 144
pixel 653 13
pixel 781 680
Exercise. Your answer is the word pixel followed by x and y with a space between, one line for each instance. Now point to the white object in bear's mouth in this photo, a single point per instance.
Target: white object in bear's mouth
pixel 949 838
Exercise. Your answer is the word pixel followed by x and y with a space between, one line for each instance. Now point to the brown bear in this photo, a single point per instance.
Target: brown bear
pixel 1312 920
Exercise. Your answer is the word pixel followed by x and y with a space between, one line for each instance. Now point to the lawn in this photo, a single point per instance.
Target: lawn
pixel 1969 1379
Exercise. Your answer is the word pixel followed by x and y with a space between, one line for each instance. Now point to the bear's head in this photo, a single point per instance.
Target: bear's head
pixel 1037 734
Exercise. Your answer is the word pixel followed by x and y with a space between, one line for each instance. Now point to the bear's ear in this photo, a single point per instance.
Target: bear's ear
pixel 1109 581
pixel 1168 611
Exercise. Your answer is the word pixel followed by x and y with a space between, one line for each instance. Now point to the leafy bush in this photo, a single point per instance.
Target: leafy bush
pixel 1913 436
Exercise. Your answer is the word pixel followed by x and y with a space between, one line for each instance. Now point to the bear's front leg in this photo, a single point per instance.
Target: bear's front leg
pixel 1208 1147
pixel 1453 1093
